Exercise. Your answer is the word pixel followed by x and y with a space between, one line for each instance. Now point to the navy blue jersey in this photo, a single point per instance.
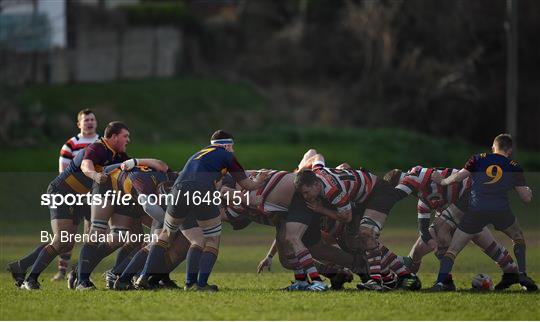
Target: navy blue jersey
pixel 493 176
pixel 72 179
pixel 208 166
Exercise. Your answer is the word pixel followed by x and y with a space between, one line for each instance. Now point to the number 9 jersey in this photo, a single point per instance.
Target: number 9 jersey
pixel 493 176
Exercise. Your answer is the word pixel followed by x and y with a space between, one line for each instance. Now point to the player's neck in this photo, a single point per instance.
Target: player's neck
pixel 505 154
pixel 87 135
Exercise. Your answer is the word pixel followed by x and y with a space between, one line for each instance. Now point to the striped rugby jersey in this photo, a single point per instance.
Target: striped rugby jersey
pixel 74 146
pixel 357 184
pixel 431 195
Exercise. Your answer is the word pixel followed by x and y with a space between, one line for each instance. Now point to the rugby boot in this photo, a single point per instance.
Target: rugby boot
pixel 167 283
pixel 207 288
pixel 16 273
pixel 507 280
pixel 317 286
pixel 143 284
pixel 297 286
pixel 72 278
pixel 527 283
pixel 411 282
pixel 30 284
pixel 441 287
pixel 85 286
pixel 121 285
pixel 372 285
pixel 110 278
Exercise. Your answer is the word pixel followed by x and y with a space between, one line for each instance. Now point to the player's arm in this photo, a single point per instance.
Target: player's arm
pixel 91 157
pixel 343 214
pixel 307 156
pixel 456 177
pixel 152 163
pixel 267 261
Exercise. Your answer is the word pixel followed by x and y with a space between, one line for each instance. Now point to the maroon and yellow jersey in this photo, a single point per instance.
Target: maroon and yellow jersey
pixel 73 180
pixel 432 196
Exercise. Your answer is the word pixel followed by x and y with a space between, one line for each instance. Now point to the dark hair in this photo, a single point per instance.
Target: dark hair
pixel 305 177
pixel 220 134
pixel 114 127
pixel 83 112
pixel 503 142
pixel 393 177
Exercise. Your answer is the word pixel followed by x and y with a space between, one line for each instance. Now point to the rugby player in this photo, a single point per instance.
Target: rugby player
pixel 198 177
pixel 124 218
pixel 269 206
pixel 373 198
pixel 74 180
pixel 493 175
pixel 449 203
pixel 87 124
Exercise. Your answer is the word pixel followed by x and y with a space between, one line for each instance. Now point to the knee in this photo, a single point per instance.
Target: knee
pixel 62 247
pixel 212 244
pixel 292 241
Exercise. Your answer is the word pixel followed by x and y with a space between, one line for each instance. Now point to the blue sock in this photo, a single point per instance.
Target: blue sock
pixel 29 259
pixel 47 254
pixel 155 260
pixel 519 251
pixel 86 259
pixel 135 265
pixel 208 259
pixel 123 259
pixel 193 260
pixel 446 267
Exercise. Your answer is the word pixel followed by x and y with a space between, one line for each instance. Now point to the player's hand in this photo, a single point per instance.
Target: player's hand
pixel 266 262
pixel 100 177
pixel 128 164
pixel 344 166
pixel 436 177
pixel 316 206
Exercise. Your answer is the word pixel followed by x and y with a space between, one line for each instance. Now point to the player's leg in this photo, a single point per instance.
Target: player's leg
pixel 50 251
pixel 288 259
pixel 369 231
pixel 174 218
pixel 508 224
pixel 495 251
pixel 18 268
pixel 470 225
pixel 211 228
pixel 417 252
pixel 93 250
pixel 175 256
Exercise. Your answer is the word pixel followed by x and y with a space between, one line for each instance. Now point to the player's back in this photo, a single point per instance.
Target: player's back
pixel 493 176
pixel 207 165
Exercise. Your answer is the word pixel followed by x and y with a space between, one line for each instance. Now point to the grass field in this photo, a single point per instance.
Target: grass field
pixel 246 295
pixel 25 173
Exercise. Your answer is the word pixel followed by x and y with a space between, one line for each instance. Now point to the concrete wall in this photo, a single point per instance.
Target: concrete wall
pixel 100 56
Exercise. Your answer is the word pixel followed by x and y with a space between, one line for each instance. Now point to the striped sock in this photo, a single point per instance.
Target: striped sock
pixel 306 262
pixel 299 274
pixel 390 261
pixel 501 256
pixel 374 262
pixel 63 262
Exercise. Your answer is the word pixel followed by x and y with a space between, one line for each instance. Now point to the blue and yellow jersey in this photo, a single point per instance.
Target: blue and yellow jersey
pixel 208 165
pixel 493 176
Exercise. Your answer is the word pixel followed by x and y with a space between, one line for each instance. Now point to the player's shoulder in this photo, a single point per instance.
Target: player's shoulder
pixel 72 140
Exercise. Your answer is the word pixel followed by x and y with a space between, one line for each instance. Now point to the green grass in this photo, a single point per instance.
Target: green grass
pixel 248 296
